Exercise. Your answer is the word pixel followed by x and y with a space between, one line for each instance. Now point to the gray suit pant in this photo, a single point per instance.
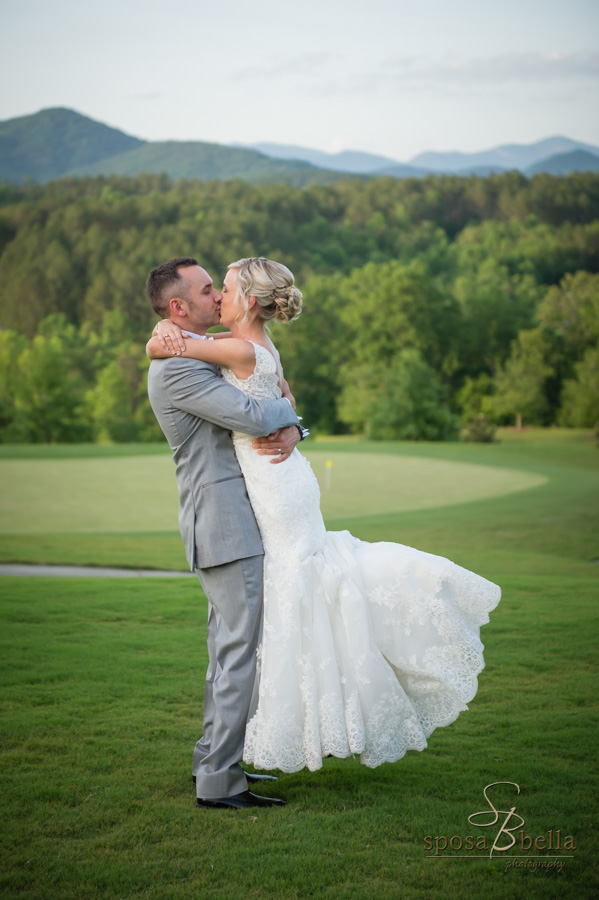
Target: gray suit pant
pixel 234 592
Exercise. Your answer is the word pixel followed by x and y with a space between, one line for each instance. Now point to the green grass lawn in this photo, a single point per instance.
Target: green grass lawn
pixel 103 684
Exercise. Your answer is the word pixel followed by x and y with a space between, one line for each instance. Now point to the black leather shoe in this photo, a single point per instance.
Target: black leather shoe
pixel 245 800
pixel 252 777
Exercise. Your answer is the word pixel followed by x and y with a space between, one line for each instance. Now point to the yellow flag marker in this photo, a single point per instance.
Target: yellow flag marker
pixel 329 465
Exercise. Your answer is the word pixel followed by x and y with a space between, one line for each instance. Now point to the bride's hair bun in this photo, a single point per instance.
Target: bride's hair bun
pixel 289 304
pixel 272 284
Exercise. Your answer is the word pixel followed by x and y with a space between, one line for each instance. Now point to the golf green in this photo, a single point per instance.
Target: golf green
pixel 139 493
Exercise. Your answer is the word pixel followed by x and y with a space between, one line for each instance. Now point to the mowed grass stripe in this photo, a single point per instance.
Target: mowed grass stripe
pixel 139 494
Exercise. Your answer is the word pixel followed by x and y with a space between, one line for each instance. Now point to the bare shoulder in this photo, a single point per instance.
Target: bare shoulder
pixel 235 354
pixel 240 350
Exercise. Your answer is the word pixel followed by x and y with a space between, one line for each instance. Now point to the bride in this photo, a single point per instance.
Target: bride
pixel 366 648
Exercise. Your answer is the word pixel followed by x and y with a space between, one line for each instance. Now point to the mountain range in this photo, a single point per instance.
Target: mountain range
pixel 523 157
pixel 59 142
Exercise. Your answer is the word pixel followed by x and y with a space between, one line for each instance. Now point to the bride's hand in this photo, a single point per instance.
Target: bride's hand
pixel 170 336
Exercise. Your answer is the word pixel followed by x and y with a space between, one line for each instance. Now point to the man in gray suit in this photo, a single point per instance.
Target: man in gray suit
pixel 197 410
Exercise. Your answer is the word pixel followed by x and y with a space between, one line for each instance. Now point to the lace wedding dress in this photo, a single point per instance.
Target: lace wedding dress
pixel 367 648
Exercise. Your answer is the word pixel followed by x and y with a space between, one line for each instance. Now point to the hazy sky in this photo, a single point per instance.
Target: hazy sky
pixel 386 76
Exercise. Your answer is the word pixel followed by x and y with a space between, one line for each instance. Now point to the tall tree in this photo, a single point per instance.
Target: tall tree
pixel 519 383
pixel 580 397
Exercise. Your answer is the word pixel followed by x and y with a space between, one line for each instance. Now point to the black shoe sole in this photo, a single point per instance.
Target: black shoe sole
pixel 222 804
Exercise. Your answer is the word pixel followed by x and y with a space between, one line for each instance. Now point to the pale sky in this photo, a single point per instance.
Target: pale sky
pixel 386 76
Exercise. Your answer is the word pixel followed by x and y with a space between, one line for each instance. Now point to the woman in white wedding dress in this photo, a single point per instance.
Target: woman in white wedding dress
pixel 367 648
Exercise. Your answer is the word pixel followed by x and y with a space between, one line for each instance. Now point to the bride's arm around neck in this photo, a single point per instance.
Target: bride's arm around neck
pixel 235 354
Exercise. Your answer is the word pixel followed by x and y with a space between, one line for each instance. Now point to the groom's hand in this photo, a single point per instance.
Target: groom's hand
pixel 279 445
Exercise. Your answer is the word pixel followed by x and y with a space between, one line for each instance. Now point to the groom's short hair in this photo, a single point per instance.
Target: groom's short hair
pixel 164 282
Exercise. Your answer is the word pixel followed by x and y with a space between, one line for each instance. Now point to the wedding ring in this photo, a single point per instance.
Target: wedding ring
pixel 279 451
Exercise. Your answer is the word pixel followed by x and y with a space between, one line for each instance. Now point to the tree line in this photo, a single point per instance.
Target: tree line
pixel 433 307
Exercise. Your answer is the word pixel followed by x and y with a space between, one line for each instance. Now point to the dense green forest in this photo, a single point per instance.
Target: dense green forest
pixel 434 308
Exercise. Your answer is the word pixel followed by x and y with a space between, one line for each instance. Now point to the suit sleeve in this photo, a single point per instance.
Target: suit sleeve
pixel 195 388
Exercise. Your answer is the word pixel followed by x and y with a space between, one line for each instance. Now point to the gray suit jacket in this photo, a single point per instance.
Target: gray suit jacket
pixel 197 410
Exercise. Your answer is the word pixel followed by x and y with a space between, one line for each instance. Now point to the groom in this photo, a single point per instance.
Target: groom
pixel 196 410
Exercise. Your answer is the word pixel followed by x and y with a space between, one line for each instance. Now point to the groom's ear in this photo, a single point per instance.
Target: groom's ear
pixel 177 307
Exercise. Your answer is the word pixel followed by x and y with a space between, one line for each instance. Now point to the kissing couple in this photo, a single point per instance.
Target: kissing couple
pixel 319 644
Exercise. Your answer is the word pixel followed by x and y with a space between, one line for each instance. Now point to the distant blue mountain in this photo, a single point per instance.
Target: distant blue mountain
pixel 353 161
pixel 565 163
pixel 509 156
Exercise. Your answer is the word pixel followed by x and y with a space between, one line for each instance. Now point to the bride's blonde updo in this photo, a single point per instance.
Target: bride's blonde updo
pixel 272 284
